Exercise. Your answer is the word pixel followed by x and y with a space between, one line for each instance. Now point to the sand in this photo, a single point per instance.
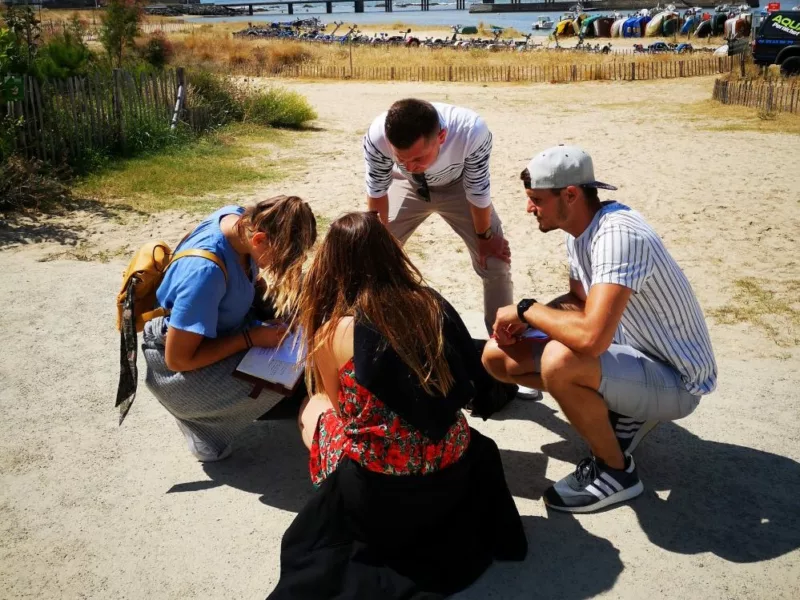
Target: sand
pixel 92 510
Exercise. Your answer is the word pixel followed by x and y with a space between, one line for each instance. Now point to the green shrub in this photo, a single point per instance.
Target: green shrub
pixel 65 54
pixel 19 46
pixel 228 101
pixel 277 107
pixel 218 93
pixel 11 57
pixel 119 28
pixel 157 51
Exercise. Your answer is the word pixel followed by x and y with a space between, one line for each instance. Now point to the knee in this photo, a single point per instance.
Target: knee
pixel 302 414
pixel 559 365
pixel 497 271
pixel 497 362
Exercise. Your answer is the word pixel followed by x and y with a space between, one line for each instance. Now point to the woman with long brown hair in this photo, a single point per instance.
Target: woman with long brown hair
pixel 390 366
pixel 258 254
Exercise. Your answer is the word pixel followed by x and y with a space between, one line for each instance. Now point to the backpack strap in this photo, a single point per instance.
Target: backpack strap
pixel 163 312
pixel 202 254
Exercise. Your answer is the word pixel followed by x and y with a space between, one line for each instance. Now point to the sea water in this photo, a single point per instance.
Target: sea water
pixel 441 14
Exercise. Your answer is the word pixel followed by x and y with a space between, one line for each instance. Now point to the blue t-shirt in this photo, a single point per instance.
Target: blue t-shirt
pixel 194 288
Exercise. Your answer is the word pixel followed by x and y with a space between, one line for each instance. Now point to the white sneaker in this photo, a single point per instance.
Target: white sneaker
pixel 201 450
pixel 526 393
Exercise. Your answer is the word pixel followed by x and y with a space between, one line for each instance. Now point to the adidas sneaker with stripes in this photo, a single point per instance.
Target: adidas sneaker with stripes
pixel 593 486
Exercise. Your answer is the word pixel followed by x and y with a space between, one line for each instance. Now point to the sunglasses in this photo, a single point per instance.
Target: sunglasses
pixel 422 190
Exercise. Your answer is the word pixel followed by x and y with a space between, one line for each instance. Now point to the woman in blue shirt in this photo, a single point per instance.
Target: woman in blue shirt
pixel 192 352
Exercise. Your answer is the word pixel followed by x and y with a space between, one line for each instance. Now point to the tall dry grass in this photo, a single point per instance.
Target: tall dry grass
pixel 217 50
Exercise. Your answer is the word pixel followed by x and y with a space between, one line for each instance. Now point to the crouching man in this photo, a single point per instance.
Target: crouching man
pixel 627 347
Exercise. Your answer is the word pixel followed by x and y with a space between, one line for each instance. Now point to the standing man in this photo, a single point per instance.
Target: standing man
pixel 626 347
pixel 424 158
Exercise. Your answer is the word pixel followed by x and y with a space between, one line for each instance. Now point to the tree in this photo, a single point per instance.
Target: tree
pixel 20 47
pixel 119 28
pixel 65 54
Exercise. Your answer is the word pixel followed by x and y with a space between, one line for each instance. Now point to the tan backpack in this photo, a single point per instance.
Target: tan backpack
pixel 145 272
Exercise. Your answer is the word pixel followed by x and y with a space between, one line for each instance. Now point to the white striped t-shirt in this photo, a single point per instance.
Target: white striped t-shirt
pixel 663 318
pixel 465 154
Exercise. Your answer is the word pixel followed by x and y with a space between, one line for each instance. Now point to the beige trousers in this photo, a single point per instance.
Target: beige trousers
pixel 407 211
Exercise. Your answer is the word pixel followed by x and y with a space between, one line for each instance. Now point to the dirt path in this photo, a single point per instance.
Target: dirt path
pixel 91 510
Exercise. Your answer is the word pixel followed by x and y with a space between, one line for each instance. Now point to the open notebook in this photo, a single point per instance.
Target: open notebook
pixel 278 369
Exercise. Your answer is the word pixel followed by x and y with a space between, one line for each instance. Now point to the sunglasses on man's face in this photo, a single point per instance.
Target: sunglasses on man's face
pixel 423 190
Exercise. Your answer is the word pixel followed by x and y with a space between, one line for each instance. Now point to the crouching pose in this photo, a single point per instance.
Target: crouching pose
pixel 627 347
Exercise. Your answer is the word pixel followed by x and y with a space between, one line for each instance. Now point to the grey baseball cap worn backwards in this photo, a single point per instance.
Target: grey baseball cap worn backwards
pixel 562 166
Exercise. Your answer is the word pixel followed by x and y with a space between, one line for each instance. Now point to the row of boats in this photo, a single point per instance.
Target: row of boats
pixel 724 21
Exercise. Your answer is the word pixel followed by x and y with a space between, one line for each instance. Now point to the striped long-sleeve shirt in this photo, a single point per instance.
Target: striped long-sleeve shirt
pixel 663 318
pixel 464 155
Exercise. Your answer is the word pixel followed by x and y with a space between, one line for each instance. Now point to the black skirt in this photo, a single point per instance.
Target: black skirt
pixel 370 536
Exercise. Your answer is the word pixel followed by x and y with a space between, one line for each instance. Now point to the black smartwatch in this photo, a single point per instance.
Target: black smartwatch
pixel 522 306
pixel 486 235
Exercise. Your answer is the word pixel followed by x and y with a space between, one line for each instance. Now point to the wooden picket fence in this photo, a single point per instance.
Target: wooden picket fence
pixel 614 71
pixel 65 120
pixel 769 96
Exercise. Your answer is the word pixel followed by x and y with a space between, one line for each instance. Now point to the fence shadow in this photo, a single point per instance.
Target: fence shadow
pixel 52 223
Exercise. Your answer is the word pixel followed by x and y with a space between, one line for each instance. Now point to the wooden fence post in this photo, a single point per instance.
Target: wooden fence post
pixel 119 125
pixel 633 71
pixel 180 97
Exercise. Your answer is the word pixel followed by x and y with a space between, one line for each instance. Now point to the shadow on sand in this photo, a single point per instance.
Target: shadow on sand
pixel 736 502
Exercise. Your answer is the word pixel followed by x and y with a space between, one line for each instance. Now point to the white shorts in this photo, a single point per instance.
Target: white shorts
pixel 637 385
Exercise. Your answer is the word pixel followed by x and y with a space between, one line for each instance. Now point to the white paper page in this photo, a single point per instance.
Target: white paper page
pixel 290 350
pixel 261 363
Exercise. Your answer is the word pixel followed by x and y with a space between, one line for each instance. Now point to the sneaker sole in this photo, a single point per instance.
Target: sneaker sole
pixel 529 394
pixel 201 456
pixel 627 494
pixel 645 429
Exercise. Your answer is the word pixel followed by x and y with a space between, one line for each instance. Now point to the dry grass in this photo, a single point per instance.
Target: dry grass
pixel 713 116
pixel 771 306
pixel 217 48
pixel 91 16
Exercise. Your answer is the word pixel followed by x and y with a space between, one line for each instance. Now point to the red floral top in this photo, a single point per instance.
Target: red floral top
pixel 369 433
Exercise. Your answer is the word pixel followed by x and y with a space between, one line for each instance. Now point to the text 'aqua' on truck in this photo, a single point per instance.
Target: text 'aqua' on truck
pixel 777 41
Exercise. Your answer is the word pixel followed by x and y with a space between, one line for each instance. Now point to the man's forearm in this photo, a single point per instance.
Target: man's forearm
pixel 569 326
pixel 568 301
pixel 381 205
pixel 481 217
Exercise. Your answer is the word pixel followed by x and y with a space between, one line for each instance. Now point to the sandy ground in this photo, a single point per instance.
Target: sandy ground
pixel 92 510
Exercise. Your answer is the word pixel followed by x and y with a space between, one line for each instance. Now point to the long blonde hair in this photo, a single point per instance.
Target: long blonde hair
pixel 291 231
pixel 360 270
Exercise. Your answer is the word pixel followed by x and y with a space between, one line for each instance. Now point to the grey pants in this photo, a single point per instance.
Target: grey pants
pixel 209 402
pixel 407 211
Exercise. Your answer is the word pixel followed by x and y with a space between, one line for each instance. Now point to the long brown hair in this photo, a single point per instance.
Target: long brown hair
pixel 360 270
pixel 291 231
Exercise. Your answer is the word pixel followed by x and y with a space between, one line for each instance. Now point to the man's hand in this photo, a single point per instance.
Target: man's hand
pixel 496 246
pixel 381 206
pixel 507 326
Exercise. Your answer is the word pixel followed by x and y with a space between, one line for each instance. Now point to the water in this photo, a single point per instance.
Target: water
pixel 438 15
